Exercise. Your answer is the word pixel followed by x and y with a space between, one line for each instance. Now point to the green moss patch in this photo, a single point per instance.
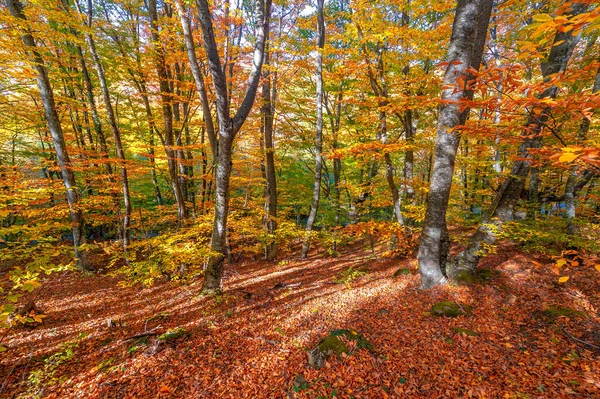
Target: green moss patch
pixel 450 309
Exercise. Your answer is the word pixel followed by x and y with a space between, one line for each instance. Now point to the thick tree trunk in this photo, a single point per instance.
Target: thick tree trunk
pixel 510 191
pixel 466 48
pixel 533 195
pixel 114 128
pixel 62 156
pixel 577 180
pixel 214 270
pixel 319 131
pixel 228 128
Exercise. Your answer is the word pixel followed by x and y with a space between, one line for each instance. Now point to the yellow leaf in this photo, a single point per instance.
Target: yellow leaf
pixel 561 262
pixel 563 279
pixel 542 18
pixel 568 157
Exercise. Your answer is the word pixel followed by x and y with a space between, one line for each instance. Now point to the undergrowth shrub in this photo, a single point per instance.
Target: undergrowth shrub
pixel 175 254
pixel 550 236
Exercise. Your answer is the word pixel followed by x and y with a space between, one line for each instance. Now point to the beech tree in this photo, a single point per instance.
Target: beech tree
pixel 464 58
pixel 54 125
pixel 503 205
pixel 318 130
pixel 228 127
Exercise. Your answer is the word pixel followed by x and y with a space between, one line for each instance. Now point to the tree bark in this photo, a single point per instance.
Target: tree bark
pixel 228 128
pixel 577 180
pixel 335 117
pixel 197 74
pixel 166 94
pixel 466 48
pixel 269 92
pixel 502 207
pixel 15 8
pixel 319 130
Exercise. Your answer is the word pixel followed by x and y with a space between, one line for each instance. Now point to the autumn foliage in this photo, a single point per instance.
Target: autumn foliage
pixel 194 195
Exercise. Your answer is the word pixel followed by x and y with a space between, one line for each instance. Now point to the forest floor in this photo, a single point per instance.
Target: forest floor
pixel 251 342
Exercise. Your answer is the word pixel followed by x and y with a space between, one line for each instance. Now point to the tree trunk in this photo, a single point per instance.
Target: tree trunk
pixel 228 128
pixel 319 131
pixel 577 180
pixel 197 74
pixel 335 117
pixel 81 259
pixel 269 90
pixel 466 48
pixel 510 191
pixel 166 93
pixel 113 125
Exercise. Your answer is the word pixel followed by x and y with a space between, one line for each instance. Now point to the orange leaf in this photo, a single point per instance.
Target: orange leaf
pixel 165 389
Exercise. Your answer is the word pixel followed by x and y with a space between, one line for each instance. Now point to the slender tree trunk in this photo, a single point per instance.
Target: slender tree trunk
pixel 409 131
pixel 197 74
pixel 166 95
pixel 379 87
pixel 335 117
pixel 113 126
pixel 269 90
pixel 15 8
pixel 510 191
pixel 389 171
pixel 466 48
pixel 151 132
pixel 319 131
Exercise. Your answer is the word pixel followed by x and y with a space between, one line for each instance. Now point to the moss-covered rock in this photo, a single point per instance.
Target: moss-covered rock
pixel 330 345
pixel 173 335
pixel 401 272
pixel 554 312
pixel 487 274
pixel 450 309
pixel 333 345
pixel 464 277
pixel 351 335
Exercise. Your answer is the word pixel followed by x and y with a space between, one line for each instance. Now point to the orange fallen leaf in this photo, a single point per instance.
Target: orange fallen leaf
pixel 165 389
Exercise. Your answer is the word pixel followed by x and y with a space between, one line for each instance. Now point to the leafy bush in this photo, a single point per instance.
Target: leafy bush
pixel 175 255
pixel 550 236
